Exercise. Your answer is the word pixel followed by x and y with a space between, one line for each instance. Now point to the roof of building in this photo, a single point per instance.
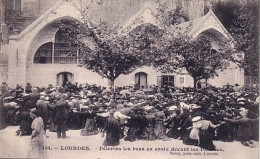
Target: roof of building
pixel 146 14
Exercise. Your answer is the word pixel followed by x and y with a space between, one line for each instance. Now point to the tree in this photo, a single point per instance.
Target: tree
pixel 242 20
pixel 245 31
pixel 102 50
pixel 198 58
pixel 170 15
pixel 111 58
pixel 180 53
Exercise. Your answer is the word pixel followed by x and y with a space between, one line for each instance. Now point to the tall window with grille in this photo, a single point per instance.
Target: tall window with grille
pixel 62 51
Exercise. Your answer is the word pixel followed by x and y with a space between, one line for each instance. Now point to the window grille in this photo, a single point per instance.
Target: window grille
pixel 64 52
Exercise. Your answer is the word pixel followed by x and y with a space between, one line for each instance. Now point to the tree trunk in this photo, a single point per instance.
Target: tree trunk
pixel 195 83
pixel 113 84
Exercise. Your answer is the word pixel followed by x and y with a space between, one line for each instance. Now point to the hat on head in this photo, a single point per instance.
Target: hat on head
pixel 34 111
pixel 133 98
pixel 148 108
pixel 242 109
pixel 25 94
pixel 241 99
pixel 197 118
pixel 64 96
pixel 111 111
pixel 43 93
pixel 172 108
pixel 42 98
pixel 195 106
pixel 246 94
pixel 19 99
pixel 241 103
pixel 185 106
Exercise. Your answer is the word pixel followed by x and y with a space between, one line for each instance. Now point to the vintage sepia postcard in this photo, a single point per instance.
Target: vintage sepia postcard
pixel 125 79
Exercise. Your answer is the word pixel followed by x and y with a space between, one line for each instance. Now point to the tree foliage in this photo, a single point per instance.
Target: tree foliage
pixel 110 54
pixel 177 52
pixel 196 58
pixel 170 15
pixel 242 20
pixel 102 50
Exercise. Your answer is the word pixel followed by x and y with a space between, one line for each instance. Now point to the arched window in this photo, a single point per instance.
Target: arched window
pixel 44 54
pixel 62 51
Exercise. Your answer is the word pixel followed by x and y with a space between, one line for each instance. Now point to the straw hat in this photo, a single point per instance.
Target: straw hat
pixel 172 108
pixel 241 99
pixel 197 118
pixel 195 106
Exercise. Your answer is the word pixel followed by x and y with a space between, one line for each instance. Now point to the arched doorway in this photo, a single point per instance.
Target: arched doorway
pixel 141 79
pixel 64 77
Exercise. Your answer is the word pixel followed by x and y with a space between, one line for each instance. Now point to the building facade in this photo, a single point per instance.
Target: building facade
pixel 36 51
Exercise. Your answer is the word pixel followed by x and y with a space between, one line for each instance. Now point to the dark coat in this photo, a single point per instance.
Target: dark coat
pixel 43 107
pixel 34 97
pixel 62 111
pixel 112 127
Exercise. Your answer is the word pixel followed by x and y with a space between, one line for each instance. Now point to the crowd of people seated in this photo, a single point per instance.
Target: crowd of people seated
pixel 195 116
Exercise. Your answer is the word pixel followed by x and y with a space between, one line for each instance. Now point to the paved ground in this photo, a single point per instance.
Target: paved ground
pixel 12 146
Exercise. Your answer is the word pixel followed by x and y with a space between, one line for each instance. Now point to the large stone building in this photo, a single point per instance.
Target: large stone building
pixel 32 48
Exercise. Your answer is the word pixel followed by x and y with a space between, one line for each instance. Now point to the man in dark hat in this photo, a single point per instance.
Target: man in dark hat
pixel 62 115
pixel 18 90
pixel 28 88
pixel 3 88
pixel 43 108
pixel 34 97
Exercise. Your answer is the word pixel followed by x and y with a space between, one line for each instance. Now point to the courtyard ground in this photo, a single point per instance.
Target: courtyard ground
pixel 12 146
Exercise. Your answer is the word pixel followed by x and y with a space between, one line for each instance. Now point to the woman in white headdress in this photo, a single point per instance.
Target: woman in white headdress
pixel 196 125
pixel 37 138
